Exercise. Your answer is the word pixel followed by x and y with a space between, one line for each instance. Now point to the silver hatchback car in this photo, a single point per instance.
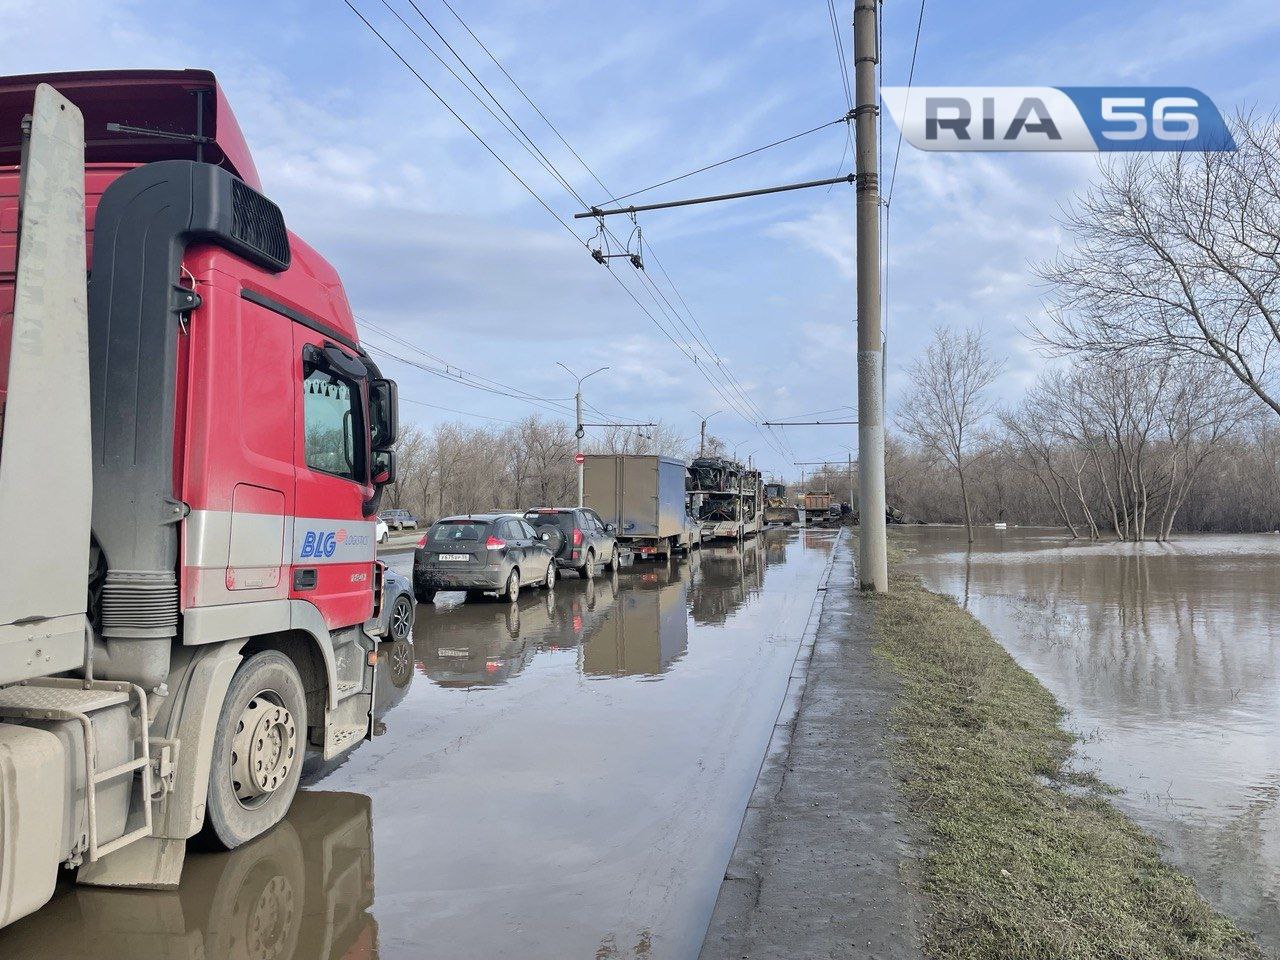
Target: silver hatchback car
pixel 481 553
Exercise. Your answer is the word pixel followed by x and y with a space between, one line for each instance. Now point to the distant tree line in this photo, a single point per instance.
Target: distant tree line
pixel 456 467
pixel 1157 410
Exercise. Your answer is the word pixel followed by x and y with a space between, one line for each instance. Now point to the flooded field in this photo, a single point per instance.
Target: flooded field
pixel 1167 658
pixel 561 778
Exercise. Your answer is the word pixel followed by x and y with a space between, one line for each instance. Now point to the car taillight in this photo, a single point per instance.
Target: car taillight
pixel 422 540
pixel 495 543
pixel 577 537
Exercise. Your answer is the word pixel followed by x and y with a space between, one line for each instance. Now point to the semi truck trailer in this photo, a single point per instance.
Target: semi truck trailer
pixel 193 444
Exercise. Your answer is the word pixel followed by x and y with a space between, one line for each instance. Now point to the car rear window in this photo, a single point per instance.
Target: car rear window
pixel 448 531
pixel 562 520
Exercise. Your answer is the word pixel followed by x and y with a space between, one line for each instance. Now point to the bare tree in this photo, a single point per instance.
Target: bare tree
pixel 1178 254
pixel 950 402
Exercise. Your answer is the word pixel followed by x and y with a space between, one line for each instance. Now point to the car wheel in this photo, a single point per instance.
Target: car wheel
pixel 401 623
pixel 257 750
pixel 512 591
pixel 612 565
pixel 424 594
pixel 550 582
pixel 589 568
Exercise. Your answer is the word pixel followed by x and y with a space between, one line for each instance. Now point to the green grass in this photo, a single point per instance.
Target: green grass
pixel 1014 865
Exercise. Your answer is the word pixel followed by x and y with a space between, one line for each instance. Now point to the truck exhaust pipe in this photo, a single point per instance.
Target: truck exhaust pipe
pixel 145 221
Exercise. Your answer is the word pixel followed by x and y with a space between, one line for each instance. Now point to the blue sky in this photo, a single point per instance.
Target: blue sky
pixel 437 242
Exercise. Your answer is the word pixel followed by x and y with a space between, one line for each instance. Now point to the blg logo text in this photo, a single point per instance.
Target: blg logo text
pixel 1079 119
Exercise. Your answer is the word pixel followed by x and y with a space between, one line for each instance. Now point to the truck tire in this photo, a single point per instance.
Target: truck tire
pixel 257 750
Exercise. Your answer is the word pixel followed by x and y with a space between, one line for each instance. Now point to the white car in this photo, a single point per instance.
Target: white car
pixel 383 531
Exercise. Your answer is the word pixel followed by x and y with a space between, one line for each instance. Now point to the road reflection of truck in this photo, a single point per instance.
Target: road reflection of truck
pixel 643 497
pixel 727 577
pixel 647 629
pixel 776 508
pixel 301 892
pixel 187 622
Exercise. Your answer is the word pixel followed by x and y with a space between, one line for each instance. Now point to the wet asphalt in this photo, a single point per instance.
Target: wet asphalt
pixel 563 777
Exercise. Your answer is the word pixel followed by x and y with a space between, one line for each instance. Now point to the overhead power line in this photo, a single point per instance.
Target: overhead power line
pixel 911 73
pixel 841 61
pixel 527 143
pixel 737 156
pixel 463 413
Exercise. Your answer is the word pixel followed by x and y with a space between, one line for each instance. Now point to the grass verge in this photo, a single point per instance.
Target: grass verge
pixel 1023 858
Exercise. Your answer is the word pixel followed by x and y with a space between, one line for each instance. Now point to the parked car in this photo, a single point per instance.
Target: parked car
pixel 400 519
pixel 382 530
pixel 482 553
pixel 395 618
pixel 578 538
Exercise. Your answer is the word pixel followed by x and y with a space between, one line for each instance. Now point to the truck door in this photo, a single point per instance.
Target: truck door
pixel 333 543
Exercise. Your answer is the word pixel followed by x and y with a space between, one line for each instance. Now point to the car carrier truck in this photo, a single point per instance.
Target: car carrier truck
pixel 192 449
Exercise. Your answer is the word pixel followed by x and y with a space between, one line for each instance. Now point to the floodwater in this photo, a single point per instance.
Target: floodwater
pixel 1167 659
pixel 563 778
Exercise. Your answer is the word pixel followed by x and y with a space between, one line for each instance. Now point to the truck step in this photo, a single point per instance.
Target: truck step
pixel 33 697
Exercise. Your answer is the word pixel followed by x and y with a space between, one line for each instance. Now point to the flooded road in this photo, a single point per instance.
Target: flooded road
pixel 560 778
pixel 1167 658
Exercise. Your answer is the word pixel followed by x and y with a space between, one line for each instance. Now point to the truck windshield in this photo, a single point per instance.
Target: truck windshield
pixel 450 530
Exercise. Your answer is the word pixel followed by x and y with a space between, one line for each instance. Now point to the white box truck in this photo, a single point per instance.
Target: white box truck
pixel 644 498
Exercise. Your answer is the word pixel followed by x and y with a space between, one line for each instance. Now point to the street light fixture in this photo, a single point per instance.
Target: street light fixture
pixel 702 436
pixel 580 430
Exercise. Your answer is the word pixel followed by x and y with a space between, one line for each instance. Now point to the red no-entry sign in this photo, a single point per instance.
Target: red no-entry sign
pixel 579 458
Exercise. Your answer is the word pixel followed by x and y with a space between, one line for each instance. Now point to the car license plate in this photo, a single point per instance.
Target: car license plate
pixel 455 556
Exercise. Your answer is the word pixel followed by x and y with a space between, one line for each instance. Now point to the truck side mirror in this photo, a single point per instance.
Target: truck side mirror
pixel 384 420
pixel 384 468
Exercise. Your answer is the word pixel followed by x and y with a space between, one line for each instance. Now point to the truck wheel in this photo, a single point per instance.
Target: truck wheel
pixel 257 750
pixel 589 568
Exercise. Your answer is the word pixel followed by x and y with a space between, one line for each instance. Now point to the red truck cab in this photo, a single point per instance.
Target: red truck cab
pixel 239 438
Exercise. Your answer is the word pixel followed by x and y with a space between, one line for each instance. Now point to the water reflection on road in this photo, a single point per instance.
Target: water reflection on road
pixel 561 777
pixel 1167 658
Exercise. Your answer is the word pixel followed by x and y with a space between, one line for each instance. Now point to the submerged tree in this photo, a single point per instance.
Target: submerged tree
pixel 950 402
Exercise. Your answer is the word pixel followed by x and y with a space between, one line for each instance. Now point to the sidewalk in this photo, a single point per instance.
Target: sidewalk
pixel 817 868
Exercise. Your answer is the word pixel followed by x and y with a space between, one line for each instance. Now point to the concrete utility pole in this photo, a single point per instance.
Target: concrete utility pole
pixel 873 557
pixel 581 429
pixel 702 436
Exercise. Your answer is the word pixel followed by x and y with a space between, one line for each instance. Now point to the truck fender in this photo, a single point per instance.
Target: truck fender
pixel 202 698
pixel 304 616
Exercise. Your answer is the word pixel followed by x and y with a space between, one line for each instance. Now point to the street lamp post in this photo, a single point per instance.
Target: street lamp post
pixel 702 435
pixel 580 430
